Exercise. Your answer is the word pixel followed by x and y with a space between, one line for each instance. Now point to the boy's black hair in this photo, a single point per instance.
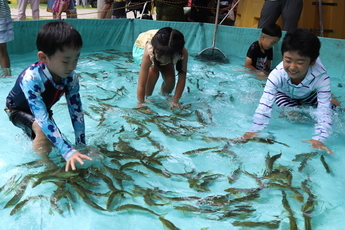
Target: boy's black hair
pixel 57 35
pixel 168 41
pixel 272 30
pixel 302 41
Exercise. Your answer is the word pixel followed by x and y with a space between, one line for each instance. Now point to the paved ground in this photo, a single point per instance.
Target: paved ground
pixel 82 13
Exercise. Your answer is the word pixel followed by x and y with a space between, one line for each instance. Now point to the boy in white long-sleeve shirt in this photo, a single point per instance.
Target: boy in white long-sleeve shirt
pixel 299 80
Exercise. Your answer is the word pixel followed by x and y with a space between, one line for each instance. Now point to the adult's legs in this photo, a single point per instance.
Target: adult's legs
pixel 291 12
pixel 63 7
pixel 107 6
pixel 270 12
pixel 35 9
pixel 21 9
pixel 71 12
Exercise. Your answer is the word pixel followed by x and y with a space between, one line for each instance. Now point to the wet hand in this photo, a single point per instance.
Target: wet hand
pixel 77 156
pixel 319 145
pixel 249 135
pixel 175 104
pixel 140 105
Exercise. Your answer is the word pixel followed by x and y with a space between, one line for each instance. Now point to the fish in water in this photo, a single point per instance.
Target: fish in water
pixel 299 197
pixel 304 158
pixel 168 224
pixel 18 207
pixel 19 192
pixel 234 175
pixel 292 219
pixel 204 118
pixel 270 161
pixel 324 163
pixel 161 172
pixel 136 207
pixel 199 150
pixel 85 197
pixel 274 224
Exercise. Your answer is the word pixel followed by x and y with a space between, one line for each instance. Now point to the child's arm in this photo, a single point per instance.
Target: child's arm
pixel 32 86
pixel 181 82
pixel 319 145
pixel 77 117
pixel 324 114
pixel 251 54
pixel 143 75
pixel 262 114
pixel 75 110
pixel 261 73
pixel 248 63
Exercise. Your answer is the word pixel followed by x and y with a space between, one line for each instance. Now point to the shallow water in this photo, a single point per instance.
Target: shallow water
pixel 199 180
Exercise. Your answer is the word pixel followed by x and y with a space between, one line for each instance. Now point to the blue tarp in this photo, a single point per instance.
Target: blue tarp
pixel 120 34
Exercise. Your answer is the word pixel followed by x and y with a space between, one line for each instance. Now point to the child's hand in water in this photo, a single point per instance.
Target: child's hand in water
pixel 76 157
pixel 140 105
pixel 175 104
pixel 319 145
pixel 249 135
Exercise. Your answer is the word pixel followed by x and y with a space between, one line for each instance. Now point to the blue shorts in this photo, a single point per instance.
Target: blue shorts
pixel 137 54
pixel 6 30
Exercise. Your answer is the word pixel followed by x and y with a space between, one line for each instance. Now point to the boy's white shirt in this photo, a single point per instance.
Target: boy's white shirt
pixel 316 79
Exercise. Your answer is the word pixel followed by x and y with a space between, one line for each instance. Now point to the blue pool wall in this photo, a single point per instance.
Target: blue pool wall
pixel 120 34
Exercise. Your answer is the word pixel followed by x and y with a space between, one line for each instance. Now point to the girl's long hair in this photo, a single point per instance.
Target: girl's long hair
pixel 168 42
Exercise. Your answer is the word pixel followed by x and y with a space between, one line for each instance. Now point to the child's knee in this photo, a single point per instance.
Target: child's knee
pixel 42 146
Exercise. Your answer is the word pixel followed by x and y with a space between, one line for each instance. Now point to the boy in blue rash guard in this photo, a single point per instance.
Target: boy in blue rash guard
pixel 42 84
pixel 299 80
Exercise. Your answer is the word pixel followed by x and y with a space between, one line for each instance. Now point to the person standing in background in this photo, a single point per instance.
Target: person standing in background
pixel 6 35
pixel 107 6
pixel 71 11
pixel 60 6
pixel 22 4
pixel 200 11
pixel 119 9
pixel 289 9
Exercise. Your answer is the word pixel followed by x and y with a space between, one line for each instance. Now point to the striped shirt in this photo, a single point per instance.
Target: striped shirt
pixel 316 79
pixel 5 11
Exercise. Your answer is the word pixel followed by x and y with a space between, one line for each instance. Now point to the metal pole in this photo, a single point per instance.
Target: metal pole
pixel 215 25
pixel 321 18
